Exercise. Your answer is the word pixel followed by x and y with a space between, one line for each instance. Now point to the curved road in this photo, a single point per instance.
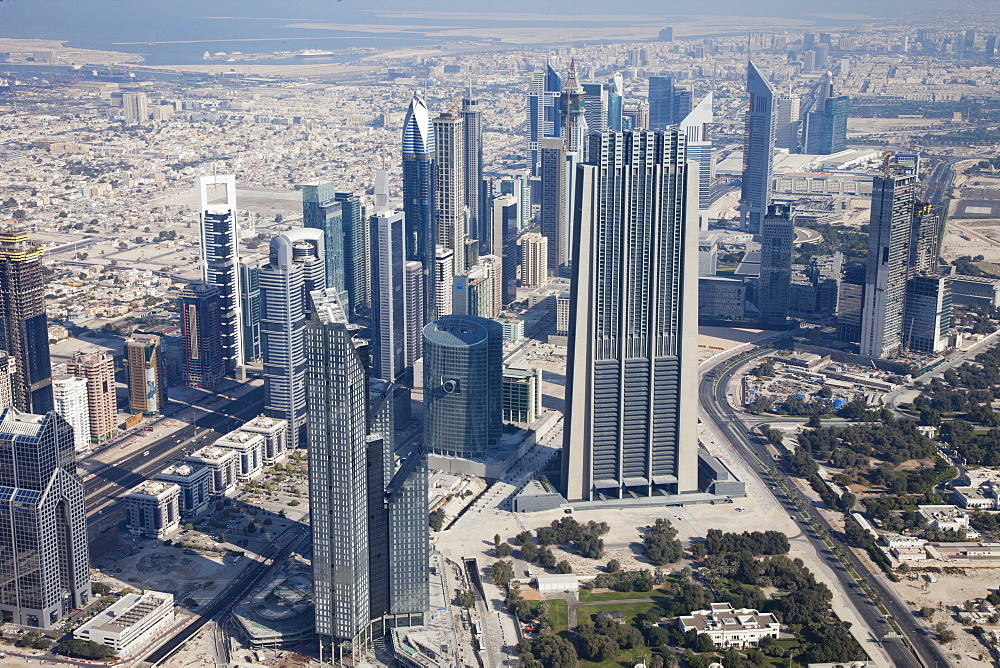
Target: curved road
pixel 712 395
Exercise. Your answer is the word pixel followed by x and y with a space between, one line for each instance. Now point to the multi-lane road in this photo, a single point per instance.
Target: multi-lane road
pixel 713 391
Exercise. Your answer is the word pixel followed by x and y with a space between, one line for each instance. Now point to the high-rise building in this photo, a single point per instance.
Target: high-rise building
pixel 850 300
pixel 666 34
pixel 474 293
pixel 444 274
pixel 201 329
pixel 357 253
pixel 534 259
pixel 8 368
pixel 636 118
pixel 250 306
pixel 773 287
pixel 70 396
pixel 927 313
pixel 661 102
pixel 786 134
pixel 893 197
pixel 924 238
pixel 758 150
pixel 631 381
pixel 451 214
pixel 615 103
pixel 558 168
pixel 221 261
pixel 389 295
pixel 574 118
pixel 147 377
pixel 463 359
pixel 543 113
pixel 295 268
pixel 475 200
pixel 24 330
pixel 322 211
pixel 418 195
pixel 696 125
pixel 683 103
pixel 809 62
pixel 413 303
pixel 595 106
pixel 98 367
pixel 46 564
pixel 504 227
pixel 825 129
pixel 135 108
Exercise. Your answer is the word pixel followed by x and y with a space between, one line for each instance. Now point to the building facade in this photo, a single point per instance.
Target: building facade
pixel 758 150
pixel 98 368
pixel 201 329
pixel 390 305
pixel 147 378
pixel 130 623
pixel 419 209
pixel 70 396
pixel 773 287
pixel 321 210
pixel 195 483
pixel 154 509
pixel 474 190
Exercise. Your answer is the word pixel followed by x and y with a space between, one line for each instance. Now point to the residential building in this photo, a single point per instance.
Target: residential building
pixel 70 396
pixel 444 275
pixel 222 462
pixel 154 509
pixel 729 627
pixel 534 259
pixel 135 108
pixel 47 564
pixel 201 329
pixel 696 124
pixel 504 221
pixel 522 394
pixel 250 306
pixel 758 150
pixel 130 623
pixel 195 483
pixel 557 170
pixel 391 300
pixel 543 113
pixel 98 368
pixel 419 208
pixel 473 189
pixel 631 409
pixel 786 132
pixel 595 106
pixel 357 251
pixel 147 378
pixel 451 213
pixel 23 325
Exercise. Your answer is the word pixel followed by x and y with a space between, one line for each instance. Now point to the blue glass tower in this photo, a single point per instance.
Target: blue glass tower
pixel 661 102
pixel 826 122
pixel 356 257
pixel 418 194
pixel 321 211
pixel 543 112
pixel 759 136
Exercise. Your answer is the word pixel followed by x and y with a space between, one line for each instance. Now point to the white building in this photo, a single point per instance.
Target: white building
pixel 945 518
pixel 984 497
pixel 129 624
pixel 729 627
pixel 275 434
pixel 195 481
pixel 559 582
pixel 69 394
pixel 534 259
pixel 222 462
pixel 250 448
pixel 154 509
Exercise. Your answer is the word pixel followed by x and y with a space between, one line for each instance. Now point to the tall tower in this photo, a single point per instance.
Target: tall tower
pixel 24 330
pixel 696 126
pixel 505 220
pixel 475 201
pixel 46 564
pixel 70 396
pixel 758 150
pixel 543 113
pixel 774 285
pixel 98 367
pixel 786 134
pixel 661 102
pixel 418 194
pixel 595 106
pixel 147 379
pixel 449 185
pixel 534 259
pixel 893 198
pixel 201 329
pixel 631 382
pixel 574 120
pixel 322 211
pixel 221 261
pixel 250 306
pixel 616 102
pixel 826 122
pixel 295 268
pixel 357 252
pixel 389 295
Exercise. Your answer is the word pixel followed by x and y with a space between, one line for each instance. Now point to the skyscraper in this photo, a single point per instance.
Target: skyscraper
pixel 147 379
pixel 8 368
pixel 543 113
pixel 574 119
pixel 70 396
pixel 826 121
pixel 924 238
pixel 418 195
pixel 927 313
pixel 558 169
pixel 221 262
pixel 786 134
pixel 444 274
pixel 451 214
pixel 357 255
pixel 893 197
pixel 98 367
pixel 463 391
pixel 661 102
pixel 616 104
pixel 23 326
pixel 322 211
pixel 389 292
pixel 250 306
pixel 631 381
pixel 201 329
pixel 773 286
pixel 46 563
pixel 534 259
pixel 505 212
pixel 595 106
pixel 135 108
pixel 758 150
pixel 295 268
pixel 413 302
pixel 696 127
pixel 475 201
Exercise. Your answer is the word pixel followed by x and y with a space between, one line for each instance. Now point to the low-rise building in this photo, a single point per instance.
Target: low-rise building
pixel 983 498
pixel 522 394
pixel 250 448
pixel 222 462
pixel 275 434
pixel 729 627
pixel 154 509
pixel 129 624
pixel 945 518
pixel 195 481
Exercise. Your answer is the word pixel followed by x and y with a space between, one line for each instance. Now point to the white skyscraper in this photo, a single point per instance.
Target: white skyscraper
pixel 388 294
pixel 699 149
pixel 70 396
pixel 134 106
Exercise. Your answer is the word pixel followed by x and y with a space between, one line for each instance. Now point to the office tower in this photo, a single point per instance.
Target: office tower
pixel 147 387
pixel 893 198
pixel 758 150
pixel 221 261
pixel 826 121
pixel 449 185
pixel 927 313
pixel 444 274
pixel 46 563
pixel 475 201
pixel 616 104
pixel 8 367
pixel 636 118
pixel 338 444
pixel 924 237
pixel 250 306
pixel 154 509
pixel 850 300
pixel 295 267
pixel 808 62
pixel 390 294
pixel 135 108
pixel 786 128
pixel 696 127
pixel 522 394
pixel 534 259
pixel 773 287
pixel 631 381
pixel 574 120
pixel 201 329
pixel 463 358
pixel 413 311
pixel 595 106
pixel 683 103
pixel 322 211
pixel 661 102
pixel 406 509
pixel 558 168
pixel 357 256
pixel 418 195
pixel 505 219
pixel 822 56
pixel 474 293
pixel 991 46
pixel 969 41
pixel 69 393
pixel 517 186
pixel 543 113
pixel 666 34
pixel 24 330
pixel 98 367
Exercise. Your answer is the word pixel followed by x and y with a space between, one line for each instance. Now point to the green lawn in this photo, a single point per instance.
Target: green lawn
pixel 587 595
pixel 630 610
pixel 559 614
pixel 626 658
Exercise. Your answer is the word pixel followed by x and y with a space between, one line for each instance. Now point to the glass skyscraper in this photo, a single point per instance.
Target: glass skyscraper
pixel 418 195
pixel 357 263
pixel 632 370
pixel 774 284
pixel 322 211
pixel 759 136
pixel 661 102
pixel 201 329
pixel 826 122
pixel 543 112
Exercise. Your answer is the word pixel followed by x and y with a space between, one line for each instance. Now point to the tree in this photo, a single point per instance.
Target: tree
pixel 563 567
pixel 613 566
pixel 437 519
pixel 504 550
pixel 703 643
pixel 467 598
pixel 502 572
pixel 222 538
pixel 814 421
pixel 84 649
pixel 944 634
pixel 661 545
pixel 927 612
pixel 732 659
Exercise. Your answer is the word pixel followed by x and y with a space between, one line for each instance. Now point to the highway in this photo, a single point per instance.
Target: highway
pixel 113 479
pixel 750 447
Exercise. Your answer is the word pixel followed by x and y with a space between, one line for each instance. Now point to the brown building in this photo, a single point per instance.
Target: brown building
pixel 147 390
pixel 98 367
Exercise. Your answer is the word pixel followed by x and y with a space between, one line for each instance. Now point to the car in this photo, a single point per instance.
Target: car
pixel 146 454
pixel 568 511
